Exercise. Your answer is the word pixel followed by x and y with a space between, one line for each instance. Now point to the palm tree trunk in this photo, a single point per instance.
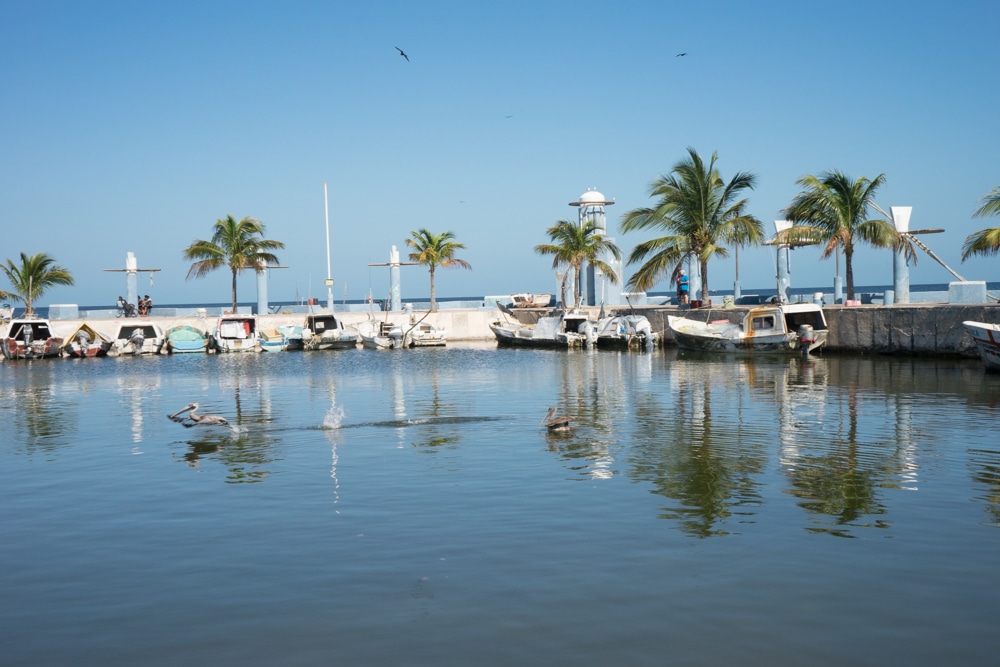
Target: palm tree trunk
pixel 578 285
pixel 704 282
pixel 433 300
pixel 234 290
pixel 849 272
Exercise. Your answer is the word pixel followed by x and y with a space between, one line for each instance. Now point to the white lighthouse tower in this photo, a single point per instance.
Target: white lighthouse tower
pixel 598 288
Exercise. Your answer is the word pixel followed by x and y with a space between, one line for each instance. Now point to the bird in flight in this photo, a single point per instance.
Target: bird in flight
pixel 677 56
pixel 403 54
pixel 510 116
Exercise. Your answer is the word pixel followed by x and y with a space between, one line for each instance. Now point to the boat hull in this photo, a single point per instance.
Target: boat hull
pixel 987 338
pixel 40 343
pixel 186 339
pixel 137 339
pixel 764 331
pixel 235 334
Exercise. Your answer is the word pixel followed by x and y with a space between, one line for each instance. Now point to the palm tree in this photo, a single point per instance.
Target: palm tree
pixel 572 245
pixel 30 280
pixel 985 241
pixel 238 245
pixel 434 250
pixel 700 212
pixel 833 209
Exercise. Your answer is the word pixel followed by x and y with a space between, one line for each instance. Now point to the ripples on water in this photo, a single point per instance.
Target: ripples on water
pixel 407 508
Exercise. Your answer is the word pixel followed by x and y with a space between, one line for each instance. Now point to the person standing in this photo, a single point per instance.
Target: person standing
pixel 682 288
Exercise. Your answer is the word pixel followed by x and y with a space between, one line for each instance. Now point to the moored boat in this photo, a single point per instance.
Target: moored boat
pixel 377 335
pixel 138 338
pixel 622 332
pixel 771 329
pixel 293 336
pixel 425 334
pixel 325 331
pixel 528 300
pixel 30 338
pixel 276 340
pixel 565 330
pixel 184 339
pixel 86 341
pixel 236 333
pixel 987 337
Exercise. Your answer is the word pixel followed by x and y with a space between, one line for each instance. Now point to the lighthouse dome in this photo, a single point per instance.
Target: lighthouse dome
pixel 592 197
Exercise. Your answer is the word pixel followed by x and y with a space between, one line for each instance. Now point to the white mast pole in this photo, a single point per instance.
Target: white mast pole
pixel 329 280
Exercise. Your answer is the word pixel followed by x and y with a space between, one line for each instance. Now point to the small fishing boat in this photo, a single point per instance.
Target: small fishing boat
pixel 987 337
pixel 184 339
pixel 325 331
pixel 30 338
pixel 293 336
pixel 136 339
pixel 86 341
pixel 377 335
pixel 623 332
pixel 565 330
pixel 527 300
pixel 236 333
pixel 276 340
pixel 424 334
pixel 770 329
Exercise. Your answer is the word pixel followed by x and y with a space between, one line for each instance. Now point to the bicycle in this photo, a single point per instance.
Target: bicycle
pixel 126 310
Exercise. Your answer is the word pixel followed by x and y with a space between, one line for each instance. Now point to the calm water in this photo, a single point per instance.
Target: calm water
pixel 405 508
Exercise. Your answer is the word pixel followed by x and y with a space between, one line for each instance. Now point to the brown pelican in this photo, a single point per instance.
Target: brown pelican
pixel 554 423
pixel 194 419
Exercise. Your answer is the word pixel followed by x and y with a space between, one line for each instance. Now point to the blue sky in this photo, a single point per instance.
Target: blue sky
pixel 133 126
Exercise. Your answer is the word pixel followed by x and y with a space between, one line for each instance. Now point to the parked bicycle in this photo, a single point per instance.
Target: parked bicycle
pixel 125 309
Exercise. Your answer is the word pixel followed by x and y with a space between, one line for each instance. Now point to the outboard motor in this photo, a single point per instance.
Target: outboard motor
pixel 27 335
pixel 138 338
pixel 645 329
pixel 806 338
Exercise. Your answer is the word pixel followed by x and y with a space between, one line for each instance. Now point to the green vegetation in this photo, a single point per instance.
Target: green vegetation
pixel 986 241
pixel 833 209
pixel 238 245
pixel 30 280
pixel 572 245
pixel 700 212
pixel 434 250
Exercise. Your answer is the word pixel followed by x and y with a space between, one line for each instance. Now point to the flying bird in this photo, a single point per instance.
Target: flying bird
pixel 554 423
pixel 403 54
pixel 194 419
pixel 681 54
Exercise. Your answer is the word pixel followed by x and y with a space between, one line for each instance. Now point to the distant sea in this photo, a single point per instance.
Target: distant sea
pixel 861 289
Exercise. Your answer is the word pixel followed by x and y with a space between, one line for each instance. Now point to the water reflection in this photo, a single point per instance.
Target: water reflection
pixel 248 449
pixel 40 410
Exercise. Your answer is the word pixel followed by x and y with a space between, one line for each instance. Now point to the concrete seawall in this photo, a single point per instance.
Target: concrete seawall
pixel 934 329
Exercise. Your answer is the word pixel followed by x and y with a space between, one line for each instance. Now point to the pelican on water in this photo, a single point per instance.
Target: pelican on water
pixel 554 423
pixel 194 419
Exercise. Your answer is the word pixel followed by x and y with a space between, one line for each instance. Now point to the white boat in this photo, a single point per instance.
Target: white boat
pixel 770 329
pixel 30 338
pixel 987 337
pixel 86 341
pixel 562 330
pixel 424 334
pixel 236 333
pixel 138 338
pixel 527 300
pixel 325 331
pixel 380 335
pixel 626 332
